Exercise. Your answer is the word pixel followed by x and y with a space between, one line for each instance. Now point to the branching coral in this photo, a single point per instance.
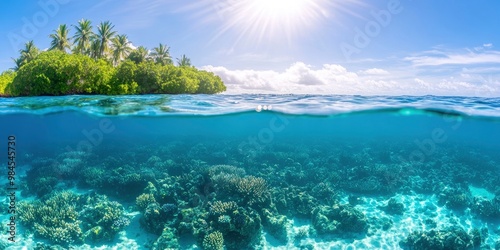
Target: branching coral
pixel 240 226
pixel 143 200
pixel 249 189
pixel 253 188
pixel 93 176
pixel 213 241
pixel 220 208
pixel 55 219
pixel 68 163
pixel 65 217
pixel 102 218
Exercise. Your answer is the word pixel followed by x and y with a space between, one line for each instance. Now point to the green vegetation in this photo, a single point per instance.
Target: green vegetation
pixel 102 63
pixel 6 78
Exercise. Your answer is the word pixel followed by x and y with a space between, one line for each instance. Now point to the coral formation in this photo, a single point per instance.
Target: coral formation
pixel 453 238
pixel 243 229
pixel 143 201
pixel 152 219
pixel 55 219
pixel 276 225
pixel 294 201
pixel 230 182
pixel 393 207
pixel 455 198
pixel 102 218
pixel 66 218
pixel 182 194
pixel 167 240
pixel 339 219
pixel 300 235
pixel 213 241
pixel 489 209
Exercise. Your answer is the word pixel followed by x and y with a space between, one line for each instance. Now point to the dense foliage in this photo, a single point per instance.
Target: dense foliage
pixel 5 79
pixel 102 63
pixel 58 73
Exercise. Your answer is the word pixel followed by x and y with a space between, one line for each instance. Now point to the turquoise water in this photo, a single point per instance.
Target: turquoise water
pixel 255 172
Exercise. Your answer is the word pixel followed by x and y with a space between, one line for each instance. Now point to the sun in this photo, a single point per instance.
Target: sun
pixel 262 20
pixel 279 8
pixel 272 19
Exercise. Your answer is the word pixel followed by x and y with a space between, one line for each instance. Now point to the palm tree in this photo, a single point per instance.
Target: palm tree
pixel 161 55
pixel 60 40
pixel 121 48
pixel 83 36
pixel 19 63
pixel 139 55
pixel 105 33
pixel 95 47
pixel 184 61
pixel 29 53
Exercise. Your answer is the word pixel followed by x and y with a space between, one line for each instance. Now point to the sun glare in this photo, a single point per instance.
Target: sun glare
pixel 263 20
pixel 271 19
pixel 279 8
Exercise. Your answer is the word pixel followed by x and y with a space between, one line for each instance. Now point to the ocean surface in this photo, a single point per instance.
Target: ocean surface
pixel 251 172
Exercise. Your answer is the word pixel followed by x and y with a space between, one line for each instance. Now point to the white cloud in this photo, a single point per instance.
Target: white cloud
pixel 374 71
pixel 298 78
pixel 132 46
pixel 301 78
pixel 455 58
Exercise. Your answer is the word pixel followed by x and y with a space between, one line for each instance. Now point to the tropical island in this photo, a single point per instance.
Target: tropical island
pixel 102 63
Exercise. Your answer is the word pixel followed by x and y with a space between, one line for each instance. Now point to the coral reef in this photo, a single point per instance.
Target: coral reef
pixel 169 209
pixel 339 219
pixel 488 209
pixel 241 227
pixel 167 240
pixel 294 201
pixel 455 198
pixel 213 241
pixel 276 225
pixel 152 219
pixel 102 218
pixel 179 193
pixel 251 189
pixel 229 182
pixel 66 218
pixel 393 207
pixel 453 238
pixel 300 235
pixel 55 219
pixel 143 201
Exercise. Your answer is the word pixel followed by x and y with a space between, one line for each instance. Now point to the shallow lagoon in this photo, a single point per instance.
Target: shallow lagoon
pixel 256 171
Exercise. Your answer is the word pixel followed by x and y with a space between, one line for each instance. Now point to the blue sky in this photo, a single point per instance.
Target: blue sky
pixel 387 47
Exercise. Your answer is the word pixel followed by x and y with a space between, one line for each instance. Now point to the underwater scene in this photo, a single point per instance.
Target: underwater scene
pixel 250 172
